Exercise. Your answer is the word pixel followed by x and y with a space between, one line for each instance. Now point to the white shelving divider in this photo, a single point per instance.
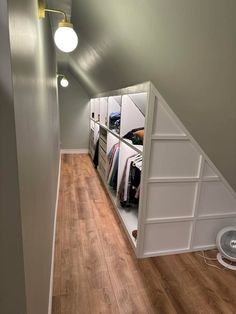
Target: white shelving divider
pixel 103 110
pixel 184 199
pixel 92 124
pixel 97 109
pixel 92 108
pixel 96 132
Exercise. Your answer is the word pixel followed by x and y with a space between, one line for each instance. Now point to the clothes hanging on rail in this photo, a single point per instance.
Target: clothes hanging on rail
pixel 113 159
pixel 130 182
pixel 136 136
pixel 95 157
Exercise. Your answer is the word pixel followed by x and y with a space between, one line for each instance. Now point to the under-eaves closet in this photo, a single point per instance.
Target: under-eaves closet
pixel 167 193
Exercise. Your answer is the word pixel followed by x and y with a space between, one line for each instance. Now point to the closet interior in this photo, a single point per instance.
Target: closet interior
pixel 116 137
pixel 167 193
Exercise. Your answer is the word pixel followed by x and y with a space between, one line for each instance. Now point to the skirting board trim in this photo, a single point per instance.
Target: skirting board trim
pixel 75 151
pixel 54 238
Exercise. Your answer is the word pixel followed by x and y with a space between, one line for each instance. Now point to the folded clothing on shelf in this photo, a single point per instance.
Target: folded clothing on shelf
pixel 114 121
pixel 136 136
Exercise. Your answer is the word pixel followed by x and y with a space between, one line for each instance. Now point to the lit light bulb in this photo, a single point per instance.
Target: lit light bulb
pixel 64 82
pixel 65 37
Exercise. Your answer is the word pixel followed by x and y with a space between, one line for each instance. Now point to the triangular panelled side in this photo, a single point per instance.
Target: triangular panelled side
pixel 208 172
pixel 164 124
pixel 184 200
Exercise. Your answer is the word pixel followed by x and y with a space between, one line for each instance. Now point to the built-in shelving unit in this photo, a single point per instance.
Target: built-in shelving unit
pixel 117 116
pixel 183 200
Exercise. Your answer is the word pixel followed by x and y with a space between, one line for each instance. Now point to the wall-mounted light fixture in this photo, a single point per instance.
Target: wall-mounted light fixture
pixel 63 80
pixel 65 37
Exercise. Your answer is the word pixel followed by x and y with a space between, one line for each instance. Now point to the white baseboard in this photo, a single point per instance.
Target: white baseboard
pixel 75 151
pixel 53 243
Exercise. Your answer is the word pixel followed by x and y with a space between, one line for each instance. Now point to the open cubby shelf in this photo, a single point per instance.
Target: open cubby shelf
pixel 184 200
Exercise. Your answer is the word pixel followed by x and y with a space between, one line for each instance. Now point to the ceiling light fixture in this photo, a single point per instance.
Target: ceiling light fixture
pixel 63 81
pixel 65 37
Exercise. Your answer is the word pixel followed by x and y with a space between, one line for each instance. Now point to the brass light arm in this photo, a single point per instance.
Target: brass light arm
pixel 57 11
pixel 60 75
pixel 65 37
pixel 42 9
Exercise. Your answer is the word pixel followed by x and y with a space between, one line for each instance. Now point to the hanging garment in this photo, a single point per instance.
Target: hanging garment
pixel 110 158
pixel 134 183
pixel 113 159
pixel 95 157
pixel 112 181
pixel 123 188
pixel 130 182
pixel 137 192
pixel 96 145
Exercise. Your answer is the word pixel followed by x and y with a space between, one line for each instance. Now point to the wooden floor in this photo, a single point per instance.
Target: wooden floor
pixel 96 270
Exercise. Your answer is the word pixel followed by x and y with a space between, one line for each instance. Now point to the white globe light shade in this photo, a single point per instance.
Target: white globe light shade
pixel 65 37
pixel 64 82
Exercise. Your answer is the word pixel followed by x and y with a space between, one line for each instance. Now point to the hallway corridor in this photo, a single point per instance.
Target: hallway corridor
pixel 95 268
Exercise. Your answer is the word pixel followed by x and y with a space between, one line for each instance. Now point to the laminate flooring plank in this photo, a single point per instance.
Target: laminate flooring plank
pixel 220 285
pixel 154 289
pixel 180 276
pixel 57 269
pixel 57 251
pixel 72 304
pixel 101 296
pixel 107 229
pixel 96 271
pixel 56 304
pixel 126 291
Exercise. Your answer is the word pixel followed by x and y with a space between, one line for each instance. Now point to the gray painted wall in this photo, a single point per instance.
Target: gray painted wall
pixel 12 288
pixel 186 47
pixel 74 114
pixel 31 139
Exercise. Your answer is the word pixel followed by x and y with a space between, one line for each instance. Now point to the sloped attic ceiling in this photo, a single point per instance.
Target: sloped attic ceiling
pixel 187 48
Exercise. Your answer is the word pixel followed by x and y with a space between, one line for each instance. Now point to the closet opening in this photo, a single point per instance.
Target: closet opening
pixel 117 125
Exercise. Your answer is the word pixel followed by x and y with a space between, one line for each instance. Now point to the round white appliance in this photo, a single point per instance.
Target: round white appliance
pixel 226 244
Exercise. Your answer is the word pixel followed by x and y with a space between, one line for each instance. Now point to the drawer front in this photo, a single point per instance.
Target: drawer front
pixel 102 162
pixel 103 138
pixel 102 171
pixel 102 153
pixel 103 144
pixel 91 144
